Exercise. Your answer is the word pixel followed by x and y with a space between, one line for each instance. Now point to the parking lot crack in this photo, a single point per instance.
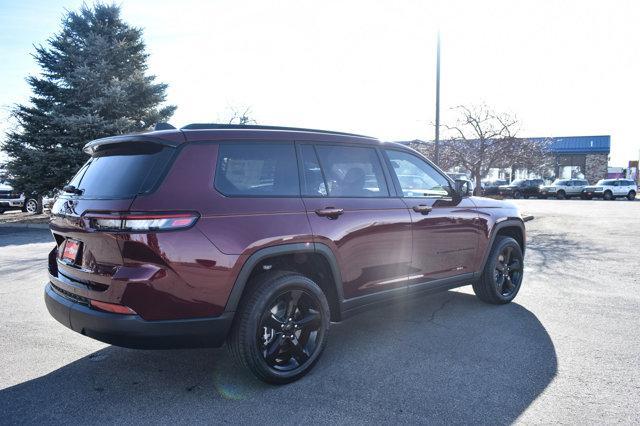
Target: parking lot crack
pixel 442 306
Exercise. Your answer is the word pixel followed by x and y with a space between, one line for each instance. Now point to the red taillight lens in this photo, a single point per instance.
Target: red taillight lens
pixel 112 307
pixel 141 222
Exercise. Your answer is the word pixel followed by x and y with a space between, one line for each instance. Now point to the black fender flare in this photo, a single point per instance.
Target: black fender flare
pixel 281 249
pixel 509 222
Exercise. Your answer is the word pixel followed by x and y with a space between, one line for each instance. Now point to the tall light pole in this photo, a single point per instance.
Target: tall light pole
pixel 437 141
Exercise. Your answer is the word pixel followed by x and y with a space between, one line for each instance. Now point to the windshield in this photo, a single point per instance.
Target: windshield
pixel 517 182
pixel 605 182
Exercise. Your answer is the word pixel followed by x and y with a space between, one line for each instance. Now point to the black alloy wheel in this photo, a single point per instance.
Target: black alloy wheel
pixel 608 195
pixel 631 195
pixel 560 195
pixel 517 194
pixel 508 272
pixel 502 275
pixel 281 327
pixel 290 330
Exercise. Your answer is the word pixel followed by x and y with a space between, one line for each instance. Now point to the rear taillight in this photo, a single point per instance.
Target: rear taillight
pixel 140 222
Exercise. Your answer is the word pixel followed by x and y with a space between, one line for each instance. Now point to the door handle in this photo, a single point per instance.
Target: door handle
pixel 330 212
pixel 422 208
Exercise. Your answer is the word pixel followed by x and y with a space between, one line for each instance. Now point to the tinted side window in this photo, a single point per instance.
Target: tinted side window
pixel 314 184
pixel 352 171
pixel 417 177
pixel 257 169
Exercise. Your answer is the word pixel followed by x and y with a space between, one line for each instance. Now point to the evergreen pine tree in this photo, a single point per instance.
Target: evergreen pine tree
pixel 93 84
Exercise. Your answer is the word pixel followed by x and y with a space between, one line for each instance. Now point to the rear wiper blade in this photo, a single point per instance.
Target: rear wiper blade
pixel 72 190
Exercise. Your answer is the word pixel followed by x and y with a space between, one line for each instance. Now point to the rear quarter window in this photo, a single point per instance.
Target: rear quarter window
pixel 257 169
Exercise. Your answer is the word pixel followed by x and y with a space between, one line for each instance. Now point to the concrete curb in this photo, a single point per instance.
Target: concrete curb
pixel 25 225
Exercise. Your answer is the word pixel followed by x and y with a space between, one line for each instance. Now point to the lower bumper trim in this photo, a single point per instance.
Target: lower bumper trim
pixel 131 331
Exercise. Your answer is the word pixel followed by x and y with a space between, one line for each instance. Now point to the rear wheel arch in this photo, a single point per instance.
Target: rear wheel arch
pixel 313 260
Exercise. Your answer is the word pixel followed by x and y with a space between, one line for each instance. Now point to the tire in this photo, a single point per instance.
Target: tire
pixel 251 338
pixel 631 195
pixel 492 286
pixel 608 195
pixel 1 211
pixel 517 195
pixel 30 206
pixel 561 195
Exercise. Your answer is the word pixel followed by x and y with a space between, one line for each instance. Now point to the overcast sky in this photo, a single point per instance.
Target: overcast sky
pixel 564 68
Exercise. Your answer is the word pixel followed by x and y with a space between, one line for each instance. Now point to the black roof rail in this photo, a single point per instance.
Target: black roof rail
pixel 213 126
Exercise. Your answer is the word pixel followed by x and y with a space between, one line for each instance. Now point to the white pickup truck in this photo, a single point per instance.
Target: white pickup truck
pixel 10 199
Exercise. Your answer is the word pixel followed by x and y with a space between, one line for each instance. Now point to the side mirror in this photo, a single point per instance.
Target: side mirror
pixel 462 188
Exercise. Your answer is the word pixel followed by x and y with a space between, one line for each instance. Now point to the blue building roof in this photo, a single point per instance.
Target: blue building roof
pixel 579 144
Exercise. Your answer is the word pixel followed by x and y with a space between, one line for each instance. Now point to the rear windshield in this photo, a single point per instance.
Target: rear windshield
pixel 122 171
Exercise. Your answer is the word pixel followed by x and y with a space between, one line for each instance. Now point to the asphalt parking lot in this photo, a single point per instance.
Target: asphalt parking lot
pixel 567 350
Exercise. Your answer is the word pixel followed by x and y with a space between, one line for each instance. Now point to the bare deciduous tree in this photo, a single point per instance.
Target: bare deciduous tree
pixel 482 139
pixel 241 116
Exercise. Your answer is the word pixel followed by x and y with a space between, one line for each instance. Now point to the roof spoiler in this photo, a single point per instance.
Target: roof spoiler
pixel 100 144
pixel 163 126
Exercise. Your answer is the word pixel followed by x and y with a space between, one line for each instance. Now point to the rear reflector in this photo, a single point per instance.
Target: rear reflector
pixel 112 307
pixel 141 222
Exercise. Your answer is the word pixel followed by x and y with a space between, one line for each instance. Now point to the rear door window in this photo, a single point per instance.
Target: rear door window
pixel 351 171
pixel 257 169
pixel 122 170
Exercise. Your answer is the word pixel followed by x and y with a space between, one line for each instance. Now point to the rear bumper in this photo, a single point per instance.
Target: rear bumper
pixel 131 331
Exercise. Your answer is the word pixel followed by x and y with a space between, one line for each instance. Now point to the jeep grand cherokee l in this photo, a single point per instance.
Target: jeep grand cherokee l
pixel 260 237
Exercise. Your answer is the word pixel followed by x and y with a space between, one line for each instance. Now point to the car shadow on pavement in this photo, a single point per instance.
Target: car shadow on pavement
pixel 443 358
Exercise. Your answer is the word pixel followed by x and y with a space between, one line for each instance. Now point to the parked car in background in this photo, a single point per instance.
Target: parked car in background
pixel 522 188
pixel 492 187
pixel 261 236
pixel 10 199
pixel 564 188
pixel 610 189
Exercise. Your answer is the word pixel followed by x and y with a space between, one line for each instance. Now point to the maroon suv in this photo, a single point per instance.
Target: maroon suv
pixel 260 237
